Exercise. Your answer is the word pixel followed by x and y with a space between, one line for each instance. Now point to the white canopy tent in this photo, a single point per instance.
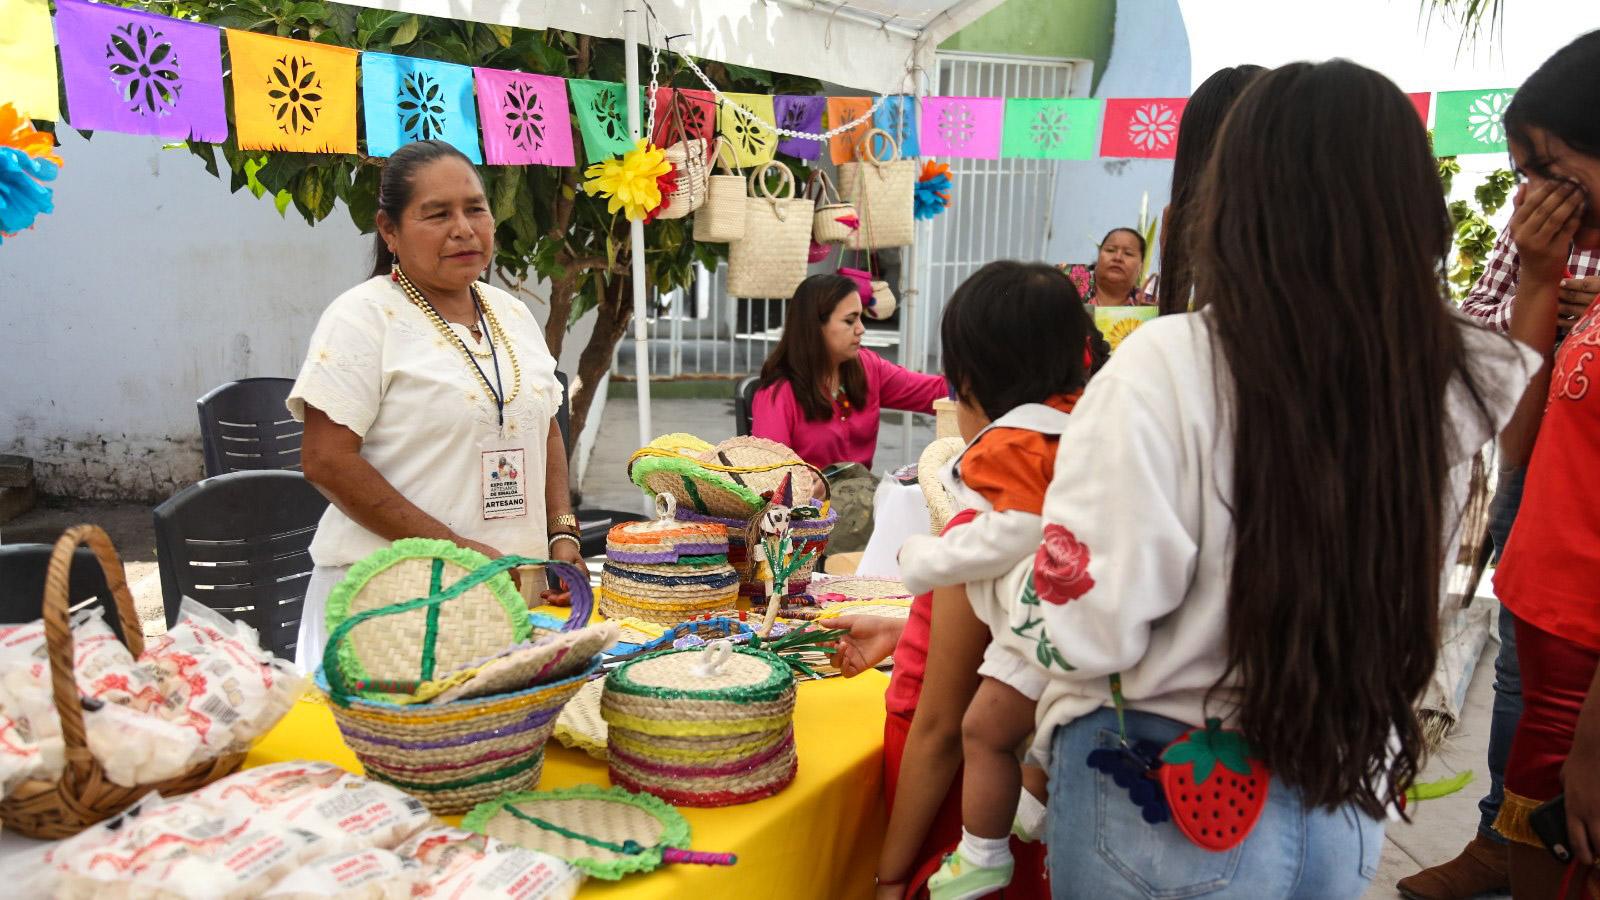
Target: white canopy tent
pixel 872 45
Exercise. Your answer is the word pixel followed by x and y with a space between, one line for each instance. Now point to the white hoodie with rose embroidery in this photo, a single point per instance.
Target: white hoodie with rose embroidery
pixel 1134 567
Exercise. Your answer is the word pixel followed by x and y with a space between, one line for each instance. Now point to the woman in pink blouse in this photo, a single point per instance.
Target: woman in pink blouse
pixel 820 392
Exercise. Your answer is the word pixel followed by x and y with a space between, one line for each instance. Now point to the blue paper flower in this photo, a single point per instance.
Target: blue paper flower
pixel 22 197
pixel 933 190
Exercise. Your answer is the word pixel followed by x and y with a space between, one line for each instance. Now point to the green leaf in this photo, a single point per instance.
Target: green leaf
pixel 313 194
pixel 406 32
pixel 362 198
pixel 251 167
pixel 282 200
pixel 502 33
pixel 507 184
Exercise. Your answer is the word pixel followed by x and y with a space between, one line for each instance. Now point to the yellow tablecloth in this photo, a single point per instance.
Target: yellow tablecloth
pixel 818 838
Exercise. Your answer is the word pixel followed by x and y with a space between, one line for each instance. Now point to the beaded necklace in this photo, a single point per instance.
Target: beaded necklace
pixel 492 331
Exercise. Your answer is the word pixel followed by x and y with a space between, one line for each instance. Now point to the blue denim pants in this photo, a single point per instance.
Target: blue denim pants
pixel 1100 847
pixel 1507 674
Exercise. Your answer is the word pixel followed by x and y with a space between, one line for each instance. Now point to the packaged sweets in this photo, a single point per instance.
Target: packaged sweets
pixel 459 864
pixel 358 875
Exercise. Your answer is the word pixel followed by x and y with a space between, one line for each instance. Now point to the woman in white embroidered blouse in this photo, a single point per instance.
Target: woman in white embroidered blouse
pixel 428 396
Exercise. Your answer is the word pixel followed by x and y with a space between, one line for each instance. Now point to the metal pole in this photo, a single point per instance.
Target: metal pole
pixel 641 331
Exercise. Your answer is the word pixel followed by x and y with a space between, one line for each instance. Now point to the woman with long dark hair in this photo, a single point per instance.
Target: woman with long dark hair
pixel 1202 120
pixel 820 391
pixel 1240 584
pixel 1549 577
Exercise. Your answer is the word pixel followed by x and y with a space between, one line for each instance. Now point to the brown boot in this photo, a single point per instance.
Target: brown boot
pixel 1479 869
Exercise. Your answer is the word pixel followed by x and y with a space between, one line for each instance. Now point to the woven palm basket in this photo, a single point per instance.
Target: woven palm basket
pixel 698 737
pixel 449 753
pixel 82 795
pixel 666 540
pixel 667 594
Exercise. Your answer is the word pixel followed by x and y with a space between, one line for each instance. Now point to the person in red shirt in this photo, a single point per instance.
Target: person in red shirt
pixel 1549 577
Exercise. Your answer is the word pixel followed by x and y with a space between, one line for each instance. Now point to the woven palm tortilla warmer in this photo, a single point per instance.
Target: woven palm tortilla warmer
pixel 710 726
pixel 665 571
pixel 418 613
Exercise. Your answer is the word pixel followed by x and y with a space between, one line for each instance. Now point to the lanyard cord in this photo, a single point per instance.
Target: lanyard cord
pixel 496 390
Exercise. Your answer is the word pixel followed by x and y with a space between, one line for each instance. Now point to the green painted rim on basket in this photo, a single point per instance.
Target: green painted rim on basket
pixel 339 599
pixel 778 681
pixel 674 827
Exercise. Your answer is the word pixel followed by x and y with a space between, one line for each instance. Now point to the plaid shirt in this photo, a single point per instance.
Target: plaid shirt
pixel 1490 300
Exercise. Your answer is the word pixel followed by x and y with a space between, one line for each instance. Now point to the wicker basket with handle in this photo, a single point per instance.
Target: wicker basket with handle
pixel 771 259
pixel 882 190
pixel 831 223
pixel 721 218
pixel 83 795
pixel 688 159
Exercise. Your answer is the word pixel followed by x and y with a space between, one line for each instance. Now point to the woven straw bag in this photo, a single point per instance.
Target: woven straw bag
pixel 882 190
pixel 826 227
pixel 83 795
pixel 770 260
pixel 688 159
pixel 720 219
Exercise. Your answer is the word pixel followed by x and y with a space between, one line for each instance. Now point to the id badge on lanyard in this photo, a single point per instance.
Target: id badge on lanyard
pixel 504 479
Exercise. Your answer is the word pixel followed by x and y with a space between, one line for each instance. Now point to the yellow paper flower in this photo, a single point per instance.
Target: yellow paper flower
pixel 630 182
pixel 18 132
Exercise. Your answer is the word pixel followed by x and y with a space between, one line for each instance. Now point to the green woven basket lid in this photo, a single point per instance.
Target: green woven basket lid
pixel 747 676
pixel 485 620
pixel 606 832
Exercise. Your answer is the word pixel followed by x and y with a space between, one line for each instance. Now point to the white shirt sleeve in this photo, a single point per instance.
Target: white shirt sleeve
pixel 1120 539
pixel 343 371
pixel 987 547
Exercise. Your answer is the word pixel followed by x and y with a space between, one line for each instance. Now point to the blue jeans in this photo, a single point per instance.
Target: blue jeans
pixel 1507 674
pixel 1099 846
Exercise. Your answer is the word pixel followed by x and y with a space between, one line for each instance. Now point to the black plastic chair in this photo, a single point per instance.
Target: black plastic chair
pixel 593 524
pixel 244 426
pixel 238 543
pixel 744 400
pixel 22 573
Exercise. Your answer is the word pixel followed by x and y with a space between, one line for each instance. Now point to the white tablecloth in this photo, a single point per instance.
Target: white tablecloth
pixel 898 511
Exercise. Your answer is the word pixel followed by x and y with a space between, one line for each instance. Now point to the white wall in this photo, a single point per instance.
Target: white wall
pixel 1149 58
pixel 149 285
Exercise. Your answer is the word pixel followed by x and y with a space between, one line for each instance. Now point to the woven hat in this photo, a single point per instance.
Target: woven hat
pixel 724 481
pixel 941 506
pixel 605 832
pixel 482 621
pixel 762 466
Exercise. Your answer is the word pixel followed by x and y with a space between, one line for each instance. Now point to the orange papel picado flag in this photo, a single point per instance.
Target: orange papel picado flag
pixel 292 95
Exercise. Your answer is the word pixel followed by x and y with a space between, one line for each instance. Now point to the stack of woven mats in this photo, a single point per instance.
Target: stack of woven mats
pixel 702 727
pixel 666 571
pixel 432 678
pixel 723 484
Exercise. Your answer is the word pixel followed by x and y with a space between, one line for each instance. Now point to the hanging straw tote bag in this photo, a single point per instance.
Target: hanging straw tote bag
pixel 881 190
pixel 720 220
pixel 831 222
pixel 771 259
pixel 689 159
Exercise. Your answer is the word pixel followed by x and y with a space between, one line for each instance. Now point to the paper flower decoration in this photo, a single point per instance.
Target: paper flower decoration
pixel 632 182
pixel 933 190
pixel 666 184
pixel 18 132
pixel 27 158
